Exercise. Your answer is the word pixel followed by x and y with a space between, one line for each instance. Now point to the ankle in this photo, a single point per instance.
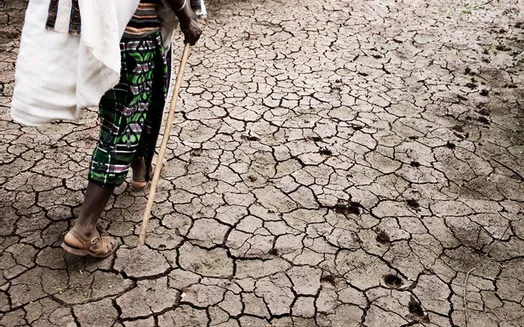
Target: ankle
pixel 87 231
pixel 138 162
pixel 139 168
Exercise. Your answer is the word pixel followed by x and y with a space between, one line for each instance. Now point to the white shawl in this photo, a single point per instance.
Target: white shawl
pixel 58 74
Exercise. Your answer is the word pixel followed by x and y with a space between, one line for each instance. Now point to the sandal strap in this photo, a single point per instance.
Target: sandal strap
pixel 98 246
pixel 87 244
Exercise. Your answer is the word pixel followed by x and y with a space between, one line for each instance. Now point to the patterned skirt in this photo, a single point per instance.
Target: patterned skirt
pixel 131 113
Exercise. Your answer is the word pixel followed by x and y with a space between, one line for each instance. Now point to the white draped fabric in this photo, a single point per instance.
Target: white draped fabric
pixel 59 74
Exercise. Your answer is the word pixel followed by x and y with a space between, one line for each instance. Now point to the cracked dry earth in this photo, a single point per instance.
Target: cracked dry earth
pixel 334 163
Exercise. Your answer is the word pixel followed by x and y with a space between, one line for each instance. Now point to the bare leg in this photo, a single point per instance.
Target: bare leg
pixel 138 166
pixel 139 169
pixel 84 238
pixel 94 203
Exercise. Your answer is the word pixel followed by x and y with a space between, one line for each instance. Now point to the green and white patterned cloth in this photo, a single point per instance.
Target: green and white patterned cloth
pixel 131 113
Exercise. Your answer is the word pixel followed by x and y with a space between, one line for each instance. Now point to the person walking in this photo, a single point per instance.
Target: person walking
pixel 130 119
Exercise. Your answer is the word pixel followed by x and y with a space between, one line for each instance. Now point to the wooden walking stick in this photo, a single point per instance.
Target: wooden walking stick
pixel 165 139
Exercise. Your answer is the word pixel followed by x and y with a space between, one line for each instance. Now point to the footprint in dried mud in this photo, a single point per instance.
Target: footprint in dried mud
pixel 326 152
pixel 328 279
pixel 383 237
pixel 351 208
pixel 483 120
pixel 450 145
pixel 469 71
pixel 413 204
pixel 250 138
pixel 416 310
pixel 392 280
pixel 196 152
pixel 484 112
pixel 458 128
pixel 313 139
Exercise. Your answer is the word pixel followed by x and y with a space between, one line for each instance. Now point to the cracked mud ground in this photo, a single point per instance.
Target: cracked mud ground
pixel 334 163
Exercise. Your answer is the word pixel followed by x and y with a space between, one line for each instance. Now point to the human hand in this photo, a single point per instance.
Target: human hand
pixel 188 20
pixel 191 29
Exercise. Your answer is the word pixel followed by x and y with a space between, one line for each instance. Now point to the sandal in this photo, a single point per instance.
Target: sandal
pixel 98 247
